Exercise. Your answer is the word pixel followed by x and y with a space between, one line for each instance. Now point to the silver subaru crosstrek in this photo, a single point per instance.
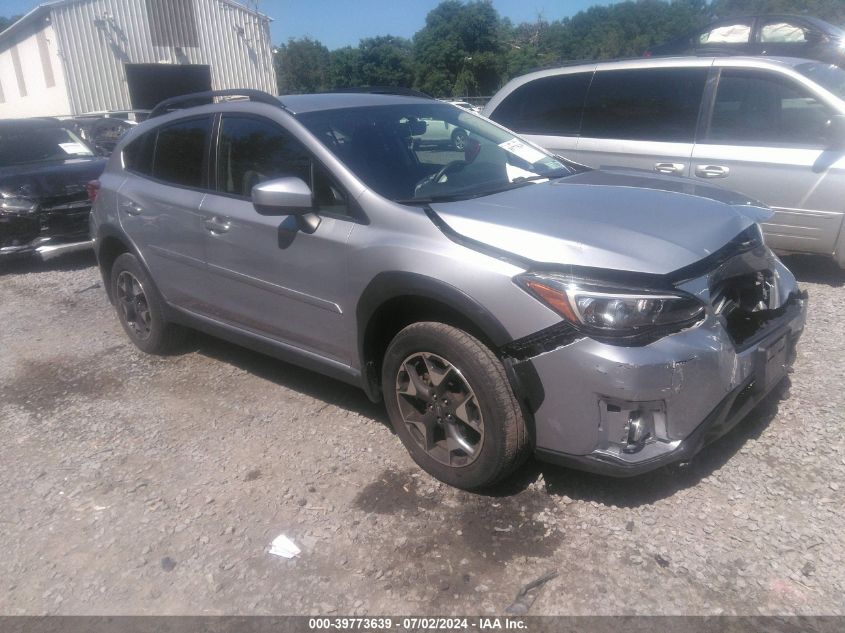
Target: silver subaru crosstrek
pixel 500 300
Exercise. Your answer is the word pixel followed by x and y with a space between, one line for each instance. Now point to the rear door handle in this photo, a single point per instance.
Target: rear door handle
pixel 671 169
pixel 218 225
pixel 711 171
pixel 131 208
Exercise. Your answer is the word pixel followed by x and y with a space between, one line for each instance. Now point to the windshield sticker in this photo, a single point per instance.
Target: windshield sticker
pixel 75 149
pixel 515 172
pixel 523 151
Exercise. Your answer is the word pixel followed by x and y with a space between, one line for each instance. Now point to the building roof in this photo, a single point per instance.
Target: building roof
pixel 43 10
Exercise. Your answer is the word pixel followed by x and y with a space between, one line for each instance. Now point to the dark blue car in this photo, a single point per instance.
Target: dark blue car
pixel 45 171
pixel 779 35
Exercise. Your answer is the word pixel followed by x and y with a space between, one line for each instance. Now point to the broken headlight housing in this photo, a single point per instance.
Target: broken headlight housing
pixel 605 312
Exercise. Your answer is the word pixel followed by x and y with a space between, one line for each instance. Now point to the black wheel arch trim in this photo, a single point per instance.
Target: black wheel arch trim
pixel 110 231
pixel 396 284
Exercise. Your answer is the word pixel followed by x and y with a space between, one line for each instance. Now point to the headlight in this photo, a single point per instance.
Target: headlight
pixel 612 312
pixel 15 204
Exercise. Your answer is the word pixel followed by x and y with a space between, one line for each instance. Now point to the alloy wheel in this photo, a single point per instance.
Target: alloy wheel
pixel 132 301
pixel 440 409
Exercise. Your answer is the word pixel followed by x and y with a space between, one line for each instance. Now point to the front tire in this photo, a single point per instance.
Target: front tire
pixel 451 404
pixel 140 308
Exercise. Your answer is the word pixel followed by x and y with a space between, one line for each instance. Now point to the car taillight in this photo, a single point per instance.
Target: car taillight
pixel 93 188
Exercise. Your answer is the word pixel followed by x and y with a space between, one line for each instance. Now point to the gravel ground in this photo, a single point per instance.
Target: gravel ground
pixel 132 484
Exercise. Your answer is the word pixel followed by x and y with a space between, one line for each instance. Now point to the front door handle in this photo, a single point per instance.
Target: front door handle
pixel 671 169
pixel 131 208
pixel 711 171
pixel 218 225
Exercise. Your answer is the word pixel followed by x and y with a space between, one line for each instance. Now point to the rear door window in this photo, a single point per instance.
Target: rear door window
pixel 650 104
pixel 549 105
pixel 760 108
pixel 180 152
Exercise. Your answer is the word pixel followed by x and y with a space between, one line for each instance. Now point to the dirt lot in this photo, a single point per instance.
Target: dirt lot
pixel 136 484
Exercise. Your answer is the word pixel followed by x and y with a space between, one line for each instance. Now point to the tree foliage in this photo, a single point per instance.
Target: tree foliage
pixel 302 65
pixel 466 48
pixel 5 22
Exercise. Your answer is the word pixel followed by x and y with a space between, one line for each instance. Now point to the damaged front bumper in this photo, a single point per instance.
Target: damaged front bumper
pixel 45 249
pixel 45 234
pixel 623 411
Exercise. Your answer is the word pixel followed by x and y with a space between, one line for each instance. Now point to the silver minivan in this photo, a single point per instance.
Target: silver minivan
pixel 771 128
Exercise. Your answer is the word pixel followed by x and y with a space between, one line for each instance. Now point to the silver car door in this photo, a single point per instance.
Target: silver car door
pixel 159 202
pixel 642 118
pixel 268 276
pixel 766 139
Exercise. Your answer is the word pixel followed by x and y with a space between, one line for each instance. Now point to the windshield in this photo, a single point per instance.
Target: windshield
pixel 828 76
pixel 28 144
pixel 422 152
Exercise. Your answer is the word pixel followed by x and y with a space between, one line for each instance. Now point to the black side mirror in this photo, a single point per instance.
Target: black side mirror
pixel 287 196
pixel 835 132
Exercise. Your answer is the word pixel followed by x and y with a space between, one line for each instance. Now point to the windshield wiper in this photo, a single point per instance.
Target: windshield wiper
pixel 444 198
pixel 555 173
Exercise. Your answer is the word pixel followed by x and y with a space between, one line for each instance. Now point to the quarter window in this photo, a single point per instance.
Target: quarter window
pixel 550 105
pixel 180 152
pixel 656 104
pixel 764 109
pixel 138 155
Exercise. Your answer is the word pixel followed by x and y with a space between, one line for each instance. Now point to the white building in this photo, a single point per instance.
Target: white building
pixel 69 57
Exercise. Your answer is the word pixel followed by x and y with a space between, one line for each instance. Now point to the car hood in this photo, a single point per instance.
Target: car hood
pixel 50 180
pixel 621 220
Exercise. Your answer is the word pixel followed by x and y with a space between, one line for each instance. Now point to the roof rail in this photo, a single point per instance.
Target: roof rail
pixel 383 90
pixel 201 98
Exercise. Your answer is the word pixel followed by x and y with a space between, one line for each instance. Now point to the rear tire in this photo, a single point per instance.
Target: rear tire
pixel 140 308
pixel 451 404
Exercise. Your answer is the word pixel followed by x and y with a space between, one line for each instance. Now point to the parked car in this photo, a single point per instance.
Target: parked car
pixel 102 130
pixel 773 129
pixel 44 202
pixel 501 301
pixel 466 105
pixel 779 35
pixel 438 133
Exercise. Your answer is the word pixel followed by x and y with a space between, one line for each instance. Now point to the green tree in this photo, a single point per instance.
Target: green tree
pixel 385 61
pixel 5 23
pixel 345 67
pixel 302 65
pixel 460 50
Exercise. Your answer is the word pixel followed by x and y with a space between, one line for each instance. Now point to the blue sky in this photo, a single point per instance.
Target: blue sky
pixel 339 23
